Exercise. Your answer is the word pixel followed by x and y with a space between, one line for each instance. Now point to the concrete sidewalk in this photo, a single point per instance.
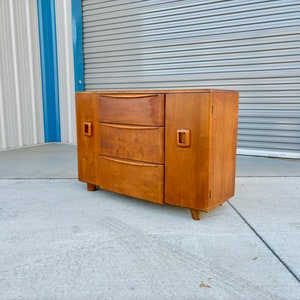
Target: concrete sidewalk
pixel 58 241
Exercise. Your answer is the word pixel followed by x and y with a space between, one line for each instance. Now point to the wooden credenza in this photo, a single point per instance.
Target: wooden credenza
pixel 166 146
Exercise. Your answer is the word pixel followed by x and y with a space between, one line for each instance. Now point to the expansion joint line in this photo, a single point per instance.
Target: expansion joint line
pixel 265 243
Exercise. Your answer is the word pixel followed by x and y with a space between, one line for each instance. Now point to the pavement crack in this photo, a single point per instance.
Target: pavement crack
pixel 264 242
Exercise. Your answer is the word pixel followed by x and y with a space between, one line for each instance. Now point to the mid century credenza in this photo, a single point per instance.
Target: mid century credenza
pixel 166 146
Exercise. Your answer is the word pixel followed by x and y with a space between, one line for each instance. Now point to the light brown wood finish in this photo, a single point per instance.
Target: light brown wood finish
pixel 91 187
pixel 175 147
pixel 207 167
pixel 135 110
pixel 187 168
pixel 195 214
pixel 137 93
pixel 87 144
pixel 223 147
pixel 142 143
pixel 132 178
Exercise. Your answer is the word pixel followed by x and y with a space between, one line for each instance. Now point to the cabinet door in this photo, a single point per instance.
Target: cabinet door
pixel 87 137
pixel 143 143
pixel 187 148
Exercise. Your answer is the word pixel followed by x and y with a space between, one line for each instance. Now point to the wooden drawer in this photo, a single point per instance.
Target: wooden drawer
pixel 144 143
pixel 134 109
pixel 135 179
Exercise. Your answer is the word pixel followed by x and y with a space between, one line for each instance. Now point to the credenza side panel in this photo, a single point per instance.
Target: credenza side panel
pixel 187 149
pixel 223 147
pixel 87 137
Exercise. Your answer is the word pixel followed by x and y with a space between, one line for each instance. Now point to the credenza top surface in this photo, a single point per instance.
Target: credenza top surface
pixel 157 91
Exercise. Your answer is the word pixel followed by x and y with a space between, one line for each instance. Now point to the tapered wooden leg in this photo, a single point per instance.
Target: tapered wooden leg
pixel 91 187
pixel 195 214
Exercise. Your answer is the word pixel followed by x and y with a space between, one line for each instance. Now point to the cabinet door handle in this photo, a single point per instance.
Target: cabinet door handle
pixel 88 128
pixel 183 138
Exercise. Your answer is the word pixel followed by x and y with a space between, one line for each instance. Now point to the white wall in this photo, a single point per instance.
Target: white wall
pixel 21 108
pixel 21 115
pixel 65 70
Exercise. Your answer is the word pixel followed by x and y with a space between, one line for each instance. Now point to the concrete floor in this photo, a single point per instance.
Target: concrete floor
pixel 58 241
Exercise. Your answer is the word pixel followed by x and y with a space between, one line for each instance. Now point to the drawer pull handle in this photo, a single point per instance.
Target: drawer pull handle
pixel 87 129
pixel 134 127
pixel 130 162
pixel 183 138
pixel 128 96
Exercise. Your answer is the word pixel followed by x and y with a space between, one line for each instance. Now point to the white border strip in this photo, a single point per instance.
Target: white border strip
pixel 293 155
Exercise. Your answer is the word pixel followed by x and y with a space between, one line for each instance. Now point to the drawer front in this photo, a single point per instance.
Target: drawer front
pixel 132 109
pixel 135 179
pixel 143 143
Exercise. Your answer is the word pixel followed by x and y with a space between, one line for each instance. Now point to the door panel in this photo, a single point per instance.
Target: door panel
pixel 87 136
pixel 188 122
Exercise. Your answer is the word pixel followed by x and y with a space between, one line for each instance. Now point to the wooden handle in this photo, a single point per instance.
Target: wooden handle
pixel 129 95
pixel 130 162
pixel 88 128
pixel 134 127
pixel 183 138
